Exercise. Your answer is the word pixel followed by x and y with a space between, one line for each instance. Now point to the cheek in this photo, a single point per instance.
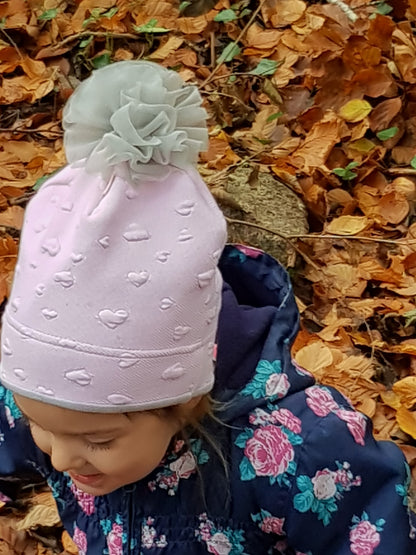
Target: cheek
pixel 41 438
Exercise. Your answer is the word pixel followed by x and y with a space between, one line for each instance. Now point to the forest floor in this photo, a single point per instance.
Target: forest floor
pixel 321 98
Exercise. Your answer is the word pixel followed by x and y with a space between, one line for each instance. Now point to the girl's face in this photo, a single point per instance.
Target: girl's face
pixel 101 452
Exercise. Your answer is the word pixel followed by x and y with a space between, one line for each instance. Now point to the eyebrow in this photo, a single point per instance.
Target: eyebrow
pixel 94 432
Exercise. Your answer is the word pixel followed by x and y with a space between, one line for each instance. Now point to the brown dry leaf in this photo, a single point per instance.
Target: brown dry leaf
pixel 391 399
pixel 404 52
pixel 286 12
pixel 68 544
pixel 380 32
pixel 393 207
pixel 355 110
pixel 383 113
pixel 43 512
pixel 315 357
pixel 317 145
pixel 405 390
pixel 373 82
pixel 347 225
pixel 12 217
pixel 192 25
pixel 407 421
pixel 171 45
pixel 338 280
pixel 263 39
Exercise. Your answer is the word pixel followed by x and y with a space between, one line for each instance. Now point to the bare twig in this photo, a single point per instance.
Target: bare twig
pixel 397 242
pixel 226 96
pixel 102 34
pixel 285 238
pixel 30 131
pixel 237 40
pixel 401 171
pixel 9 38
pixel 226 170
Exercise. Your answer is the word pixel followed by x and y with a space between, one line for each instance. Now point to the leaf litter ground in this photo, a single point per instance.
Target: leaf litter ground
pixel 320 95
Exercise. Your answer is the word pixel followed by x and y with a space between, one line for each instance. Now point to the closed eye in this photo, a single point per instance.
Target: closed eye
pixel 104 445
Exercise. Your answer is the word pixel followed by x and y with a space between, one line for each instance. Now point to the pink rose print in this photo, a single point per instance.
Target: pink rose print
pixel 9 417
pixel 273 525
pixel 80 540
pixel 287 419
pixel 251 252
pixel 269 451
pixel 344 477
pixel 115 540
pixel 184 466
pixel 277 384
pixel 85 500
pixel 324 484
pixel 320 401
pixel 300 369
pixel 219 544
pixel 356 423
pixel 364 538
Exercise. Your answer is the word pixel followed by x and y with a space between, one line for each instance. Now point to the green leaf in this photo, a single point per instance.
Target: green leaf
pixel 410 318
pixel 383 8
pixel 387 133
pixel 274 116
pixel 413 162
pixel 3 22
pixel 47 15
pixel 346 173
pixel 265 67
pixel 224 16
pixel 150 27
pixel 184 5
pixel 86 42
pixel 101 61
pixel 110 13
pixel 230 51
pixel 94 16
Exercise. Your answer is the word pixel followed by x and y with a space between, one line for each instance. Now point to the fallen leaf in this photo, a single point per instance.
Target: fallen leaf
pixel 355 110
pixel 407 421
pixel 405 390
pixel 347 225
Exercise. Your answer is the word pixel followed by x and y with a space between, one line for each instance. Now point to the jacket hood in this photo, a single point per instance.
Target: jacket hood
pixel 258 322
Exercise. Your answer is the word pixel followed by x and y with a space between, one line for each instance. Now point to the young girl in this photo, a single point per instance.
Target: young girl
pixel 108 344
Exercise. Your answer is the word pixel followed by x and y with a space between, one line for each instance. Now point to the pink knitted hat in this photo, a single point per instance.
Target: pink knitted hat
pixel 116 293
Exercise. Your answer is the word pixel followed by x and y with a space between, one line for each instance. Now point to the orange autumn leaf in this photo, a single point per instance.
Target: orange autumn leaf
pixel 347 225
pixel 405 390
pixel 407 421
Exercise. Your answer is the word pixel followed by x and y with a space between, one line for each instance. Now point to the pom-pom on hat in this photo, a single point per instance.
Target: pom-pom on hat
pixel 116 294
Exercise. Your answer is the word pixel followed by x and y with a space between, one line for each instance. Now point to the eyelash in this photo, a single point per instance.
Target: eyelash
pixel 105 446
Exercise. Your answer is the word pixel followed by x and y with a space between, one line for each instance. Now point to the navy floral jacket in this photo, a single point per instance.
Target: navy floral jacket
pixel 304 475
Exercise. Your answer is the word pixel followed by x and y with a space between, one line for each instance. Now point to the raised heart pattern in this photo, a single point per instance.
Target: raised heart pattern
pixel 204 278
pixel 7 350
pixel 138 278
pixel 40 289
pixel 186 208
pixel 184 235
pixel 166 303
pixel 67 206
pixel 51 246
pixel 162 256
pixel 173 372
pixel 79 376
pixel 20 373
pixel 136 234
pixel 77 257
pixel 45 390
pixel 113 318
pixel 49 314
pixel 104 241
pixel 180 331
pixel 127 360
pixel 119 399
pixel 65 278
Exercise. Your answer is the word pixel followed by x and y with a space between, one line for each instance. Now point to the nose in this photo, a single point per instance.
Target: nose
pixel 64 455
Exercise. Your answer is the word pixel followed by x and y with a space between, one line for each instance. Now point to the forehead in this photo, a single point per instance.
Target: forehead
pixel 66 421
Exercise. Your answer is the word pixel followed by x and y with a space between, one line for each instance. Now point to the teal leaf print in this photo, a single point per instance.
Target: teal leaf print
pixel 320 493
pixel 303 501
pixel 8 401
pixel 242 438
pixel 247 471
pixel 268 382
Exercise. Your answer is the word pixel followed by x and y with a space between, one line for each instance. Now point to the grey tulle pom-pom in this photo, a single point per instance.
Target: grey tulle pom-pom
pixel 137 116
